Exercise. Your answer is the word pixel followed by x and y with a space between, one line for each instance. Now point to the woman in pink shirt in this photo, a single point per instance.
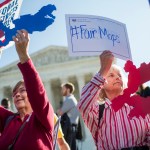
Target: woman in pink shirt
pixel 116 130
pixel 35 117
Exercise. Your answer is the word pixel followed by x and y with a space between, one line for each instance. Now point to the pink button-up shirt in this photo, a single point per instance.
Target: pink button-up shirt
pixel 117 130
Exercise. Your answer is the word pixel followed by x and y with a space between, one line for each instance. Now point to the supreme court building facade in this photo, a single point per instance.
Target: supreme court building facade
pixel 55 67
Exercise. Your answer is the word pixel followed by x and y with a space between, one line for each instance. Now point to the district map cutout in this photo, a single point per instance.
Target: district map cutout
pixel 136 77
pixel 37 22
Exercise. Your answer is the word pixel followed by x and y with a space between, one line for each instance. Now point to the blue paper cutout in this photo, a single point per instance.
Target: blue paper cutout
pixel 37 22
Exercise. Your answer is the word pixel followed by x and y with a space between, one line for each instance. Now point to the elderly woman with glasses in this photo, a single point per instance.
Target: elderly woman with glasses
pixel 32 127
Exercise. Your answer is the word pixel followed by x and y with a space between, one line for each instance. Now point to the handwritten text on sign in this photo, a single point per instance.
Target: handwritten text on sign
pixel 90 35
pixel 82 32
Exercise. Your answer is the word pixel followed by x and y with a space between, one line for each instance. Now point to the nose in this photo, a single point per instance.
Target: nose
pixel 118 77
pixel 17 94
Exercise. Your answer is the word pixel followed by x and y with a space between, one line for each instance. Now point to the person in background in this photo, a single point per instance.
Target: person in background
pixel 62 144
pixel 70 113
pixel 115 130
pixel 32 127
pixel 143 90
pixel 5 102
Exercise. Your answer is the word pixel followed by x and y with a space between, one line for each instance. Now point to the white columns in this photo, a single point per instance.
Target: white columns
pixel 49 92
pixel 81 82
pixel 1 94
pixel 63 80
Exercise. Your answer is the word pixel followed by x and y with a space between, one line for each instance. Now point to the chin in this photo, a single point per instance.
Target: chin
pixel 19 107
pixel 119 90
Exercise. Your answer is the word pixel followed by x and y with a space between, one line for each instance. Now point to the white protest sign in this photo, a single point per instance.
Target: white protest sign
pixel 9 11
pixel 90 35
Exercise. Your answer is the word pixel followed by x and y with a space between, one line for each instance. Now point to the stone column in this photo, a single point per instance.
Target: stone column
pixel 49 92
pixel 81 82
pixel 1 94
pixel 63 80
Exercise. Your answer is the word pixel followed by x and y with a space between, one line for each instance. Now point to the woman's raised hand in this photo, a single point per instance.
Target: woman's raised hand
pixel 22 43
pixel 106 60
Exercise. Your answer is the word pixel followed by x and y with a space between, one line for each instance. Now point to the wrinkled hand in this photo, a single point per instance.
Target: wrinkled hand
pixel 22 43
pixel 106 60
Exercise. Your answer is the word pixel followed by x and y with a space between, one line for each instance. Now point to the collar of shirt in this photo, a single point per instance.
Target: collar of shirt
pixel 25 118
pixel 69 95
pixel 107 103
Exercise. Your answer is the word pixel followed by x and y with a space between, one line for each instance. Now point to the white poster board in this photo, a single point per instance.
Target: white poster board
pixel 90 35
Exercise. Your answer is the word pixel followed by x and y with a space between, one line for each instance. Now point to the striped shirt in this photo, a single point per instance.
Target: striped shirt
pixel 116 130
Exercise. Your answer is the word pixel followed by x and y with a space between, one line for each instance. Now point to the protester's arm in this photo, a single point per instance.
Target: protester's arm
pixel 4 114
pixel 90 92
pixel 148 130
pixel 148 138
pixel 62 144
pixel 89 95
pixel 67 106
pixel 34 86
pixel 60 112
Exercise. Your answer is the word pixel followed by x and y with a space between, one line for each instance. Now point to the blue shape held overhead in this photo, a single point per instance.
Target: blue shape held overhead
pixel 37 22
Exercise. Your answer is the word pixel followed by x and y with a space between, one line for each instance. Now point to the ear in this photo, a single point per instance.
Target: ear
pixel 105 83
pixel 68 90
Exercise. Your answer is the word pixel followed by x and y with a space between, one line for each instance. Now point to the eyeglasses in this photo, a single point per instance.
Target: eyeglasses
pixel 21 91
